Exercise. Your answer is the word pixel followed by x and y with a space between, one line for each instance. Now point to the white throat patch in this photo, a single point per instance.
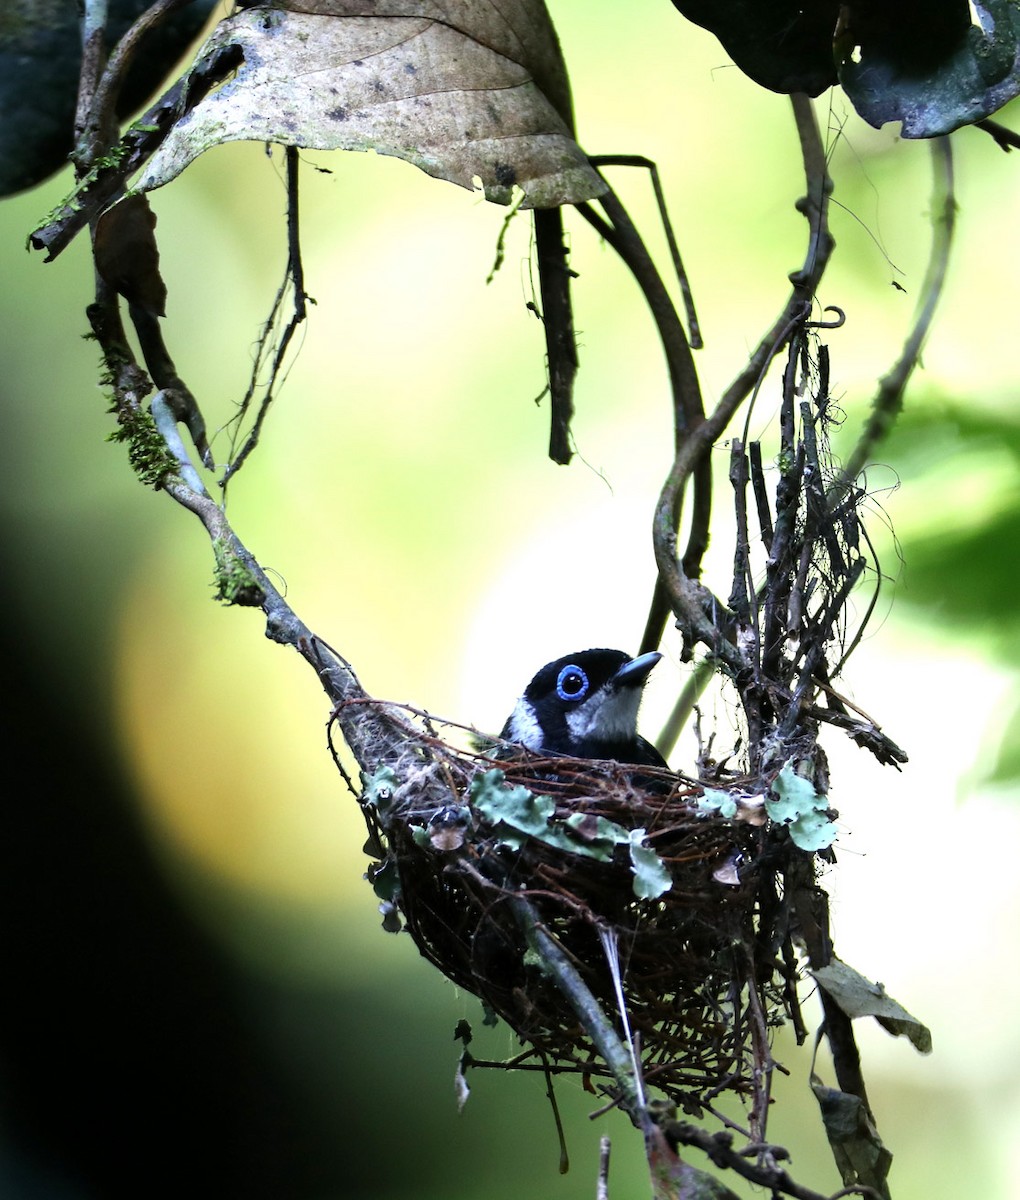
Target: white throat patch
pixel 609 715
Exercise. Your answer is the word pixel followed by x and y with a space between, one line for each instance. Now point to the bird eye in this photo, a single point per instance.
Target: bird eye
pixel 572 684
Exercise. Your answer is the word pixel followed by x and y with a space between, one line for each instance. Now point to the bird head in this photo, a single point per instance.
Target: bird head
pixel 586 705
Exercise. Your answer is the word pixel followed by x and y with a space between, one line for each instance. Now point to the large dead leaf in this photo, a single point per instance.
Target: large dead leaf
pixel 466 91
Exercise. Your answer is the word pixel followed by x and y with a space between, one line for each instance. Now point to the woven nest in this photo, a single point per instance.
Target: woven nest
pixel 706 967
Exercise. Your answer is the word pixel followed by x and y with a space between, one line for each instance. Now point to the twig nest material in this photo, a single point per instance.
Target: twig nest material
pixel 688 892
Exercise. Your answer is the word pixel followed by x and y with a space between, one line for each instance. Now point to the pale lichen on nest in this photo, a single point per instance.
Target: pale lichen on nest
pixel 690 896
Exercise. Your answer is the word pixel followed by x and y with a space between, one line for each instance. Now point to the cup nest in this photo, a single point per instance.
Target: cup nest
pixel 615 860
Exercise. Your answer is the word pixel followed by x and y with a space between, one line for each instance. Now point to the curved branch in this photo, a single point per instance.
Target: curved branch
pixel 639 160
pixel 621 234
pixel 376 733
pixel 597 1025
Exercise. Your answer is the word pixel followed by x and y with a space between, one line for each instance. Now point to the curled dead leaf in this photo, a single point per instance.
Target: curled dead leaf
pixel 861 1157
pixel 727 872
pixel 126 254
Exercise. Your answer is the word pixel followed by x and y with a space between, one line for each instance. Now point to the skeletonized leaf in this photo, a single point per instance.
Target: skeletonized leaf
pixel 458 100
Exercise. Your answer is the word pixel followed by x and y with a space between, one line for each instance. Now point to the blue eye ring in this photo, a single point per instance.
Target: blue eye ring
pixel 572 683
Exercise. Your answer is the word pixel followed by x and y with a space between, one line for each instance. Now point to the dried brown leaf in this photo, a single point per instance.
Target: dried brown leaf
pixel 126 254
pixel 860 1156
pixel 859 997
pixel 519 30
pixel 468 92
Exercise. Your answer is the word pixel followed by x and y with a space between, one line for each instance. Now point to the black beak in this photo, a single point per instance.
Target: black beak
pixel 635 672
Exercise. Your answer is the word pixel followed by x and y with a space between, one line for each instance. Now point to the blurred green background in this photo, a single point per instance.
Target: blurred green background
pixel 199 995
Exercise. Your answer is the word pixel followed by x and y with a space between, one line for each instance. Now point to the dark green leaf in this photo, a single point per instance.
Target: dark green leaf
pixel 40 58
pixel 928 65
pixel 384 880
pixel 783 45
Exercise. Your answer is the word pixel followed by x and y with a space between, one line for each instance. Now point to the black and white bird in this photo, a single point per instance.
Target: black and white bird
pixel 586 705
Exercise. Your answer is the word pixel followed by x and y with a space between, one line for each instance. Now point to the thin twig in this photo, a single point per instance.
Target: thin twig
pixel 761 499
pixel 95 14
pixel 719 1149
pixel 1006 139
pixel 763 1065
pixel 812 659
pixel 743 587
pixel 784 538
pixel 554 277
pixel 105 183
pixel 164 374
pixel 620 232
pixel 293 281
pixel 680 713
pixel 888 402
pixel 550 1093
pixel 688 406
pixel 602 1187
